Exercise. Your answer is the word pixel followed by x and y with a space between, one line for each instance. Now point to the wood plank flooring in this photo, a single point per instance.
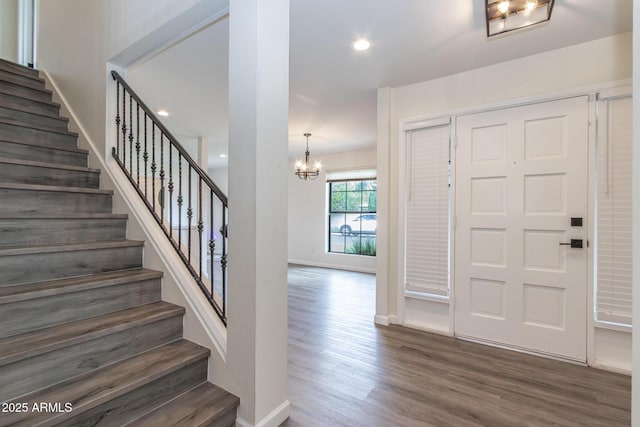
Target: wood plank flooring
pixel 345 371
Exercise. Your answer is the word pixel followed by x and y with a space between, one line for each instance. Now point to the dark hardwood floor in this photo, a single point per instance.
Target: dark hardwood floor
pixel 345 371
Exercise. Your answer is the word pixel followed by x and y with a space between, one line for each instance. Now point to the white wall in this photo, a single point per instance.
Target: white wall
pixel 308 215
pixel 220 177
pixel 77 38
pixel 9 30
pixel 592 63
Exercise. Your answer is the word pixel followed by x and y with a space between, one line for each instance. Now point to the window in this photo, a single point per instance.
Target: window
pixel 427 211
pixel 352 213
pixel 614 220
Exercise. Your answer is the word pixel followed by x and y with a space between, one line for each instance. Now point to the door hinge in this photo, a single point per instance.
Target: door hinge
pixel 455 141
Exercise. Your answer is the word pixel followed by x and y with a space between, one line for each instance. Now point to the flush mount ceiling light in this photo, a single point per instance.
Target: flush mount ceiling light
pixel 508 15
pixel 361 44
pixel 163 113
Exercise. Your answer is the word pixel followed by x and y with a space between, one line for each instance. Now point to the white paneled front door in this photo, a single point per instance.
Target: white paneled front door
pixel 521 176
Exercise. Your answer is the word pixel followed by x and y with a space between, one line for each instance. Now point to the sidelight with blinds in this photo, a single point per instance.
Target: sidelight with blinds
pixel 427 210
pixel 614 220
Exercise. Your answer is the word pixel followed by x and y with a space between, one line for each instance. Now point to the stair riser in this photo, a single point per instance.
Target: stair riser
pixel 28 315
pixel 25 174
pixel 29 268
pixel 50 139
pixel 20 231
pixel 47 369
pixel 42 154
pixel 25 92
pixel 33 119
pixel 27 201
pixel 12 77
pixel 24 104
pixel 141 400
pixel 15 68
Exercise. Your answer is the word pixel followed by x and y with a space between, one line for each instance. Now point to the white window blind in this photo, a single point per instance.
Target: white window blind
pixel 613 250
pixel 427 211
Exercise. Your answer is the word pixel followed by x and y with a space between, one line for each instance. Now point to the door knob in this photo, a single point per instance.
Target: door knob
pixel 575 243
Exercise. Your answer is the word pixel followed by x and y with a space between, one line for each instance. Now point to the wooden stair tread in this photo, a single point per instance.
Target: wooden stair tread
pixel 64 247
pixel 24 70
pixel 37 89
pixel 42 114
pixel 53 188
pixel 101 385
pixel 39 101
pixel 6 160
pixel 37 127
pixel 9 294
pixel 29 76
pixel 71 215
pixel 199 406
pixel 35 144
pixel 30 344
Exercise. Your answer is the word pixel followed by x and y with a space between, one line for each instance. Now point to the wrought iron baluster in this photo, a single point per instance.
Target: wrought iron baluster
pixel 170 192
pixel 124 127
pixel 153 165
pixel 223 260
pixel 130 134
pixel 212 243
pixel 162 181
pixel 189 215
pixel 138 144
pixel 118 119
pixel 200 225
pixel 145 156
pixel 180 199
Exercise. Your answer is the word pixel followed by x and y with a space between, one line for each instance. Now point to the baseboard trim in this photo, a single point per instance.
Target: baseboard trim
pixel 274 419
pixel 429 329
pixel 605 366
pixel 333 266
pixel 381 320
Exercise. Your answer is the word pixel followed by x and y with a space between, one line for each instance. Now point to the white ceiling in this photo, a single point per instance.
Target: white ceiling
pixel 333 88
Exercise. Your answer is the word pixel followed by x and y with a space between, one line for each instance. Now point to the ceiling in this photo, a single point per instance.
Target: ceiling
pixel 333 87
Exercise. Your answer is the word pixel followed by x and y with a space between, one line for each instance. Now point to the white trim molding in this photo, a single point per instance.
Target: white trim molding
pixel 274 419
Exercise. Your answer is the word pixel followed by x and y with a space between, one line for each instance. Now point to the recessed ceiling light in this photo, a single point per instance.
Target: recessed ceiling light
pixel 361 44
pixel 163 113
pixel 223 156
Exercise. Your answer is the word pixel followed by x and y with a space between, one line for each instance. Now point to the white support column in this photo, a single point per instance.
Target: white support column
pixel 384 256
pixel 258 168
pixel 203 153
pixel 635 386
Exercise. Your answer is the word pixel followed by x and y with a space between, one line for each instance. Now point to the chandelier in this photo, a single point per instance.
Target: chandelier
pixel 304 170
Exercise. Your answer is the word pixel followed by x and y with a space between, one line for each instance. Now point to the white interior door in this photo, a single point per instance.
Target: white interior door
pixel 521 176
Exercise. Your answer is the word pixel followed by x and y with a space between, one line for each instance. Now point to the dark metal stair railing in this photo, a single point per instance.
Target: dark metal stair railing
pixel 196 220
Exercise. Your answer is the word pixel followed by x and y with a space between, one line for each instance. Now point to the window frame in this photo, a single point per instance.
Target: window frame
pixel 363 238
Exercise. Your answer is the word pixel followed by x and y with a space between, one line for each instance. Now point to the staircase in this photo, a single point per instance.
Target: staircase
pixel 85 338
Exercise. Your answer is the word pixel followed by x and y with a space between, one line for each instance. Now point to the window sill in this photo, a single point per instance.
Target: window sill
pixel 613 326
pixel 427 297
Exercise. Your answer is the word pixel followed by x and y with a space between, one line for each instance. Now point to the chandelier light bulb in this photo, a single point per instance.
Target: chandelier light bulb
pixel 530 5
pixel 503 7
